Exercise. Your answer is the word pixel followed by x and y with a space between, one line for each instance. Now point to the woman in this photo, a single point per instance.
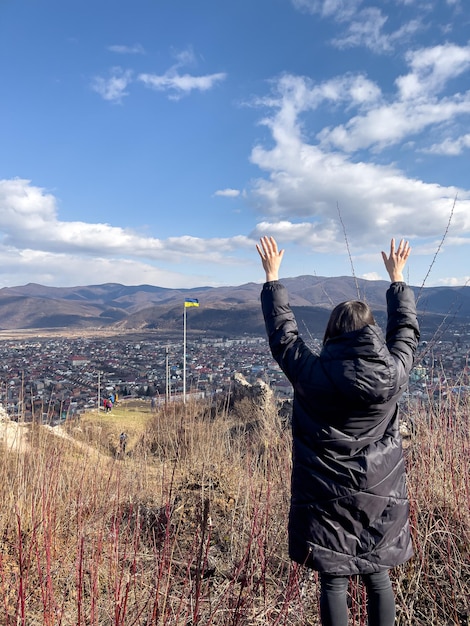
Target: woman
pixel 349 507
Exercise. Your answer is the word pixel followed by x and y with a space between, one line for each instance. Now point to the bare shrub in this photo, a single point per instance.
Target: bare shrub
pixel 434 588
pixel 191 527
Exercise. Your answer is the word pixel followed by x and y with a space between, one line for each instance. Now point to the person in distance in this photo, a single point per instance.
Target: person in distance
pixel 349 508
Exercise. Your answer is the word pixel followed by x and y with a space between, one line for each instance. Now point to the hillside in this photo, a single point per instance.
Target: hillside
pixel 189 524
pixel 230 310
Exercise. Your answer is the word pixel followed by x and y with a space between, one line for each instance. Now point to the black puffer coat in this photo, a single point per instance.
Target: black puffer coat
pixel 349 507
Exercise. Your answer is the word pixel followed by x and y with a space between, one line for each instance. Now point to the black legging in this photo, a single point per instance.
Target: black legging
pixel 380 599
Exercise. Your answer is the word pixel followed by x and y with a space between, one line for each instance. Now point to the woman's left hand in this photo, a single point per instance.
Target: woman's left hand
pixel 271 257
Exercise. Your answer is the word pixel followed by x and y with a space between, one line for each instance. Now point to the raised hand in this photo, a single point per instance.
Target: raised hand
pixel 396 261
pixel 271 257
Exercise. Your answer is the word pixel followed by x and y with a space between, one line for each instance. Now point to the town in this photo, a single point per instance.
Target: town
pixel 52 379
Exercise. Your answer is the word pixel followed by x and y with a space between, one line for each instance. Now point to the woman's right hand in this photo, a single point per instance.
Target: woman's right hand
pixel 396 261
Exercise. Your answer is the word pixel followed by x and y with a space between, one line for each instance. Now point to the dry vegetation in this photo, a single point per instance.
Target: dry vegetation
pixel 189 526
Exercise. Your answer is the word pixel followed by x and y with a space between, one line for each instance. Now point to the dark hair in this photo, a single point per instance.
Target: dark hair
pixel 346 317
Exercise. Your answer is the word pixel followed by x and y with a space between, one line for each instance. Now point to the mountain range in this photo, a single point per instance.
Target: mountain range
pixel 230 311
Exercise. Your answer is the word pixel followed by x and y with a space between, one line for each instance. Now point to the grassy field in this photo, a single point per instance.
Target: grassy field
pixel 132 417
pixel 189 525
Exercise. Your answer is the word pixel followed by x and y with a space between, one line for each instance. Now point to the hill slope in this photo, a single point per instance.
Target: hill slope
pixel 230 310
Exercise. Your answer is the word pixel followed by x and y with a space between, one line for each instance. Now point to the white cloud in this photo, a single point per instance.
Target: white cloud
pixel 389 124
pixel 341 10
pixel 304 183
pixel 373 200
pixel 185 57
pixel 416 106
pixel 321 237
pixel 308 188
pixel 65 269
pixel 114 87
pixel 227 193
pixel 454 281
pixel 372 276
pixel 363 25
pixel 431 68
pixel 177 83
pixel 368 30
pixel 33 233
pixel 180 84
pixel 25 206
pixel 299 94
pixel 119 49
pixel 450 147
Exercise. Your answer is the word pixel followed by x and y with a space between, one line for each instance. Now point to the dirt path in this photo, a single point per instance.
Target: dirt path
pixel 13 435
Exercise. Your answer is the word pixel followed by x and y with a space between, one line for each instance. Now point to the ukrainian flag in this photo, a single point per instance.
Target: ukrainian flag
pixel 191 302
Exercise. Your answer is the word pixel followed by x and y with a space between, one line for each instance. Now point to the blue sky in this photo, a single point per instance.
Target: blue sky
pixel 156 141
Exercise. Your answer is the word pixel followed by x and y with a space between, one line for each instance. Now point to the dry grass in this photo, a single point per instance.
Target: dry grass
pixel 435 585
pixel 190 526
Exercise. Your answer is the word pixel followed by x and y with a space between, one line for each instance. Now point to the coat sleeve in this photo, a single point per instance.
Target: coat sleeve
pixel 402 328
pixel 287 348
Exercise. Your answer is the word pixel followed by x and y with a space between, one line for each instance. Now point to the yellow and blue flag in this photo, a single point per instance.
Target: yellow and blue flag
pixel 191 302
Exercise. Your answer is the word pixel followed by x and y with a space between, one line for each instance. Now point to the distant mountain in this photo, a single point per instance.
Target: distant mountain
pixel 230 311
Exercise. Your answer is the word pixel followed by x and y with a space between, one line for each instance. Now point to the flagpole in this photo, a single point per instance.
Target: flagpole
pixel 167 378
pixel 184 355
pixel 188 302
pixel 99 388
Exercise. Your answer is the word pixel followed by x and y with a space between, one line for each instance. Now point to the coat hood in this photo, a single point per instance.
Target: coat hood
pixel 358 366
